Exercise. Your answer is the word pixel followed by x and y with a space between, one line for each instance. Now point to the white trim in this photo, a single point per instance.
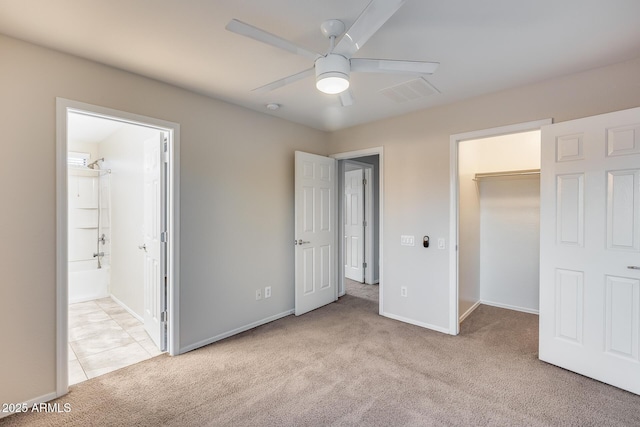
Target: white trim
pixel 416 323
pixel 469 311
pixel 29 403
pixel 454 140
pixel 362 153
pixel 368 217
pixel 126 308
pixel 510 307
pixel 62 264
pixel 368 230
pixel 63 106
pixel 236 331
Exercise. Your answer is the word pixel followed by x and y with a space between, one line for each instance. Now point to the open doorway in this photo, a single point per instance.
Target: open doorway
pixel 499 226
pixel 495 220
pixel 108 224
pixel 359 213
pixel 117 240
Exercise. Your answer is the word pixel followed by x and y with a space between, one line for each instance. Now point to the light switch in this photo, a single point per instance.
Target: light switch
pixel 441 243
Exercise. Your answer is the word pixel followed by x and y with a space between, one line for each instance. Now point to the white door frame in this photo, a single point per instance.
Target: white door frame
pixel 454 140
pixel 368 218
pixel 63 107
pixel 348 155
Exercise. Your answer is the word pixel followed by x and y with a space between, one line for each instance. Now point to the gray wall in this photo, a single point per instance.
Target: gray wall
pixel 234 163
pixel 417 172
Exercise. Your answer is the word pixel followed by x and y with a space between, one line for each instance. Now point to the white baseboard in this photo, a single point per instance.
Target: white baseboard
pixel 416 323
pixel 123 305
pixel 29 403
pixel 235 331
pixel 510 307
pixel 469 311
pixel 87 298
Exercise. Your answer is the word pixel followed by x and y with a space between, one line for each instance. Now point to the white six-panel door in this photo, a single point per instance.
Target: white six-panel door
pixel 154 260
pixel 315 232
pixel 590 247
pixel 354 225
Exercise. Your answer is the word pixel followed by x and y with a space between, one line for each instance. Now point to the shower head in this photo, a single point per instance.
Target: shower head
pixel 94 164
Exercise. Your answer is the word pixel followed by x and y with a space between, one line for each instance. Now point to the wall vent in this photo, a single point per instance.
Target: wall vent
pixel 408 91
pixel 77 160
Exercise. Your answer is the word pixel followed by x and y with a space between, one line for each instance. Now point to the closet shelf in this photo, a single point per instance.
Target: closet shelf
pixel 525 172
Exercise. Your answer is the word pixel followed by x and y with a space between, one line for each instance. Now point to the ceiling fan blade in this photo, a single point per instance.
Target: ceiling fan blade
pixel 285 81
pixel 389 66
pixel 369 21
pixel 346 98
pixel 250 31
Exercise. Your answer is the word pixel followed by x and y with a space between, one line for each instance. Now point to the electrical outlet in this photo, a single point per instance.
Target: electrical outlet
pixel 267 292
pixel 407 240
pixel 441 244
pixel 258 294
pixel 403 291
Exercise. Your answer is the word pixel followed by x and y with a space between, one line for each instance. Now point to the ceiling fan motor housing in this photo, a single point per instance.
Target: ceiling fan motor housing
pixel 332 73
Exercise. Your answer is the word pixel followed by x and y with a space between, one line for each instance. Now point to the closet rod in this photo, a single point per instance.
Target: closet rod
pixel 525 172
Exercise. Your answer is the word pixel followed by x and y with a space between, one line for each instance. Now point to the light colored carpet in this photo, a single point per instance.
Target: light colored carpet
pixel 361 290
pixel 345 365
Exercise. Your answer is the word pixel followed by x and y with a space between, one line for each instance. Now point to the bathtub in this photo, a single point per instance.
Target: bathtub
pixel 87 282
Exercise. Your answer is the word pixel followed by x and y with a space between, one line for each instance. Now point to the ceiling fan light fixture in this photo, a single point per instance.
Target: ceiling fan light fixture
pixel 332 74
pixel 332 83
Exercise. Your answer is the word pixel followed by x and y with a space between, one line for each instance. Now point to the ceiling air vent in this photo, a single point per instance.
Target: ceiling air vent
pixel 408 91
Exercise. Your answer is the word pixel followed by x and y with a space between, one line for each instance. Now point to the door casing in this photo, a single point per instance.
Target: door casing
pixel 348 155
pixel 63 107
pixel 454 324
pixel 368 217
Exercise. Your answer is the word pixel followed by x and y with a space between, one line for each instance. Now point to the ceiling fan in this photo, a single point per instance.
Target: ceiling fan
pixel 333 69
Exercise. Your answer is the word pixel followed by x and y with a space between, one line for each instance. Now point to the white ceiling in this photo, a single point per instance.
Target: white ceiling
pixel 482 46
pixel 84 129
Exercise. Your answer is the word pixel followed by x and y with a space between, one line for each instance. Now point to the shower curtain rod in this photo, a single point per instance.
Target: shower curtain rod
pixel 525 172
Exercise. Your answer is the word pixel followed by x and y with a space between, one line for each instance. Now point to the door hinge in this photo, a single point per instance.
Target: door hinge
pixel 163 237
pixel 364 265
pixel 364 181
pixel 164 317
pixel 364 223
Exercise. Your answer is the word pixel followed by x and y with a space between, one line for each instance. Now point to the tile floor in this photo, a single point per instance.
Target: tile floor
pixel 361 290
pixel 104 337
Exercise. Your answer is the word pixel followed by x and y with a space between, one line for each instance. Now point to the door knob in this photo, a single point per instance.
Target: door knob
pixel 300 242
pixel 633 267
pixel 144 246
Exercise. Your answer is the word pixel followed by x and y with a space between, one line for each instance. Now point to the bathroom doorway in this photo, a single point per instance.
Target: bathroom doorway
pixel 120 217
